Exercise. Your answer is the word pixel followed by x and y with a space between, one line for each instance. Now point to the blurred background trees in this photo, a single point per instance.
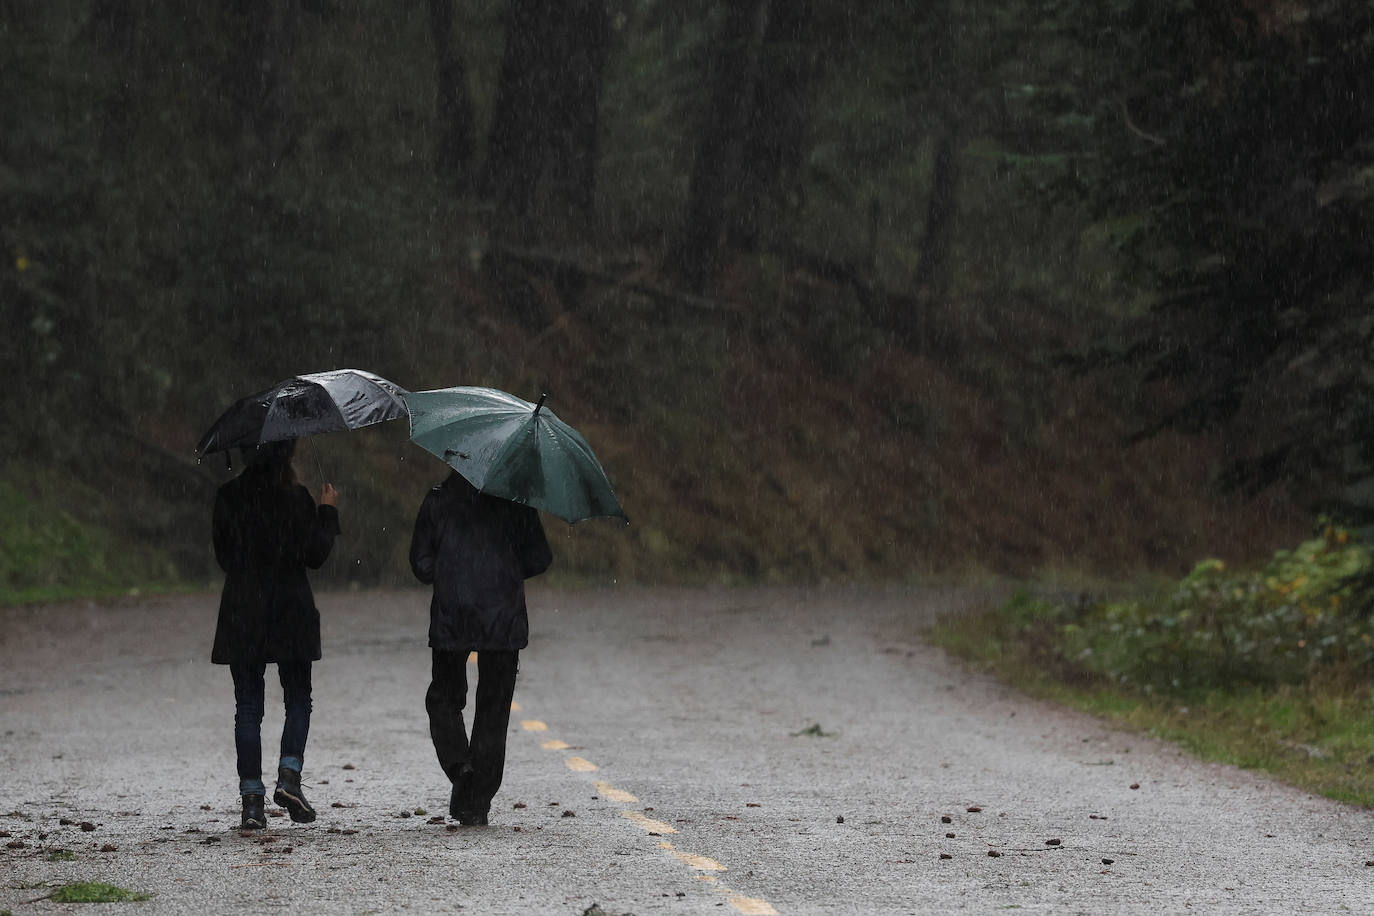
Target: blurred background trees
pixel 1241 190
pixel 661 209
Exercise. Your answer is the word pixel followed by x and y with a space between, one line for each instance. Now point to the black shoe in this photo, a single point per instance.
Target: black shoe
pixel 471 818
pixel 254 818
pixel 459 800
pixel 290 796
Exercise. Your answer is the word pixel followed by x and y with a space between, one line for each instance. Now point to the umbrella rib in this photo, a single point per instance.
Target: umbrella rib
pixel 273 411
pixel 513 442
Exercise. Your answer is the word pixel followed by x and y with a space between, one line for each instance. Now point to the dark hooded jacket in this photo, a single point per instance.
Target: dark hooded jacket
pixel 477 551
pixel 266 534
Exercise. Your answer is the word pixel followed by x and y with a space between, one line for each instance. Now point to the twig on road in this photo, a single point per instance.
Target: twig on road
pixel 261 864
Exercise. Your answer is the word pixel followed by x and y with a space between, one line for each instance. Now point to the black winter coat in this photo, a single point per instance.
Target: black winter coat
pixel 477 551
pixel 265 537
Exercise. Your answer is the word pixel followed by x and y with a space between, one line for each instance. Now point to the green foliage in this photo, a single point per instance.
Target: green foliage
pixel 1212 662
pixel 47 553
pixel 1280 624
pixel 1301 617
pixel 1233 141
pixel 95 892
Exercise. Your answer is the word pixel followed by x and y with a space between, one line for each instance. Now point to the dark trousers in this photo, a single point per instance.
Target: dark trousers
pixel 249 700
pixel 474 765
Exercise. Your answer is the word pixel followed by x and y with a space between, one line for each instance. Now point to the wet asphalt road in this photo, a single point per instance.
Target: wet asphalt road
pixel 673 751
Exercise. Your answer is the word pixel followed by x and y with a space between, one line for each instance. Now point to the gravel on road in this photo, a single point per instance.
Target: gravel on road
pixel 684 751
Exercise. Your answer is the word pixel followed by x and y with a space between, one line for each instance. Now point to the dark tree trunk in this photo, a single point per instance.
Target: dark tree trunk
pixel 258 83
pixel 453 102
pixel 547 104
pixel 791 62
pixel 115 33
pixel 932 271
pixel 718 170
pixel 931 280
pixel 113 26
pixel 513 157
pixel 576 110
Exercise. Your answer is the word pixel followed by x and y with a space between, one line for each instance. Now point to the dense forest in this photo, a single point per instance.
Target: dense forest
pixel 837 290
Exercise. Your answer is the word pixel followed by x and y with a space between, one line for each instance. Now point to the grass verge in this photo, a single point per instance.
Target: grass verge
pixel 1317 735
pixel 95 892
pixel 49 554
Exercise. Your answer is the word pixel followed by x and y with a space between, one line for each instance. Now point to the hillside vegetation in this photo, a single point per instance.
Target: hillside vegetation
pixel 740 455
pixel 811 296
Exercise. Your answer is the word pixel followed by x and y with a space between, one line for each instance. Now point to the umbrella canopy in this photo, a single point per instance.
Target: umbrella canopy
pixel 508 447
pixel 304 405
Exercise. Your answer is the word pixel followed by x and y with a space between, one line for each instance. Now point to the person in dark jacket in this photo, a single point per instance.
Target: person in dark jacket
pixel 267 531
pixel 477 551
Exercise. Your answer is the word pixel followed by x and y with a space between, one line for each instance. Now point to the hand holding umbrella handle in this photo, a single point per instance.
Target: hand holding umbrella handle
pixel 328 495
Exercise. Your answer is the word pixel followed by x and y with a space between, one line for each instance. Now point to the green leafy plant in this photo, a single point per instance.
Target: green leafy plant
pixel 1264 668
pixel 1279 624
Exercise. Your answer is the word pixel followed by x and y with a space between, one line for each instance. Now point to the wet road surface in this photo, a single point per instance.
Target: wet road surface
pixel 684 751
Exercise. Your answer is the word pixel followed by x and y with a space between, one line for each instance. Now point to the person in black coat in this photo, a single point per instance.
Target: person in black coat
pixel 267 531
pixel 477 551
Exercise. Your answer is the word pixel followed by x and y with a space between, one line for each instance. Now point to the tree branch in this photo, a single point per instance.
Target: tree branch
pixel 1130 125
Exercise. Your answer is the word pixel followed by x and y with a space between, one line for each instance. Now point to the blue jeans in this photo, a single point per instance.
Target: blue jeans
pixel 249 694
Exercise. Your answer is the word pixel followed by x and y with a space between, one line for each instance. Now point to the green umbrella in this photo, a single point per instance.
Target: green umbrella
pixel 513 449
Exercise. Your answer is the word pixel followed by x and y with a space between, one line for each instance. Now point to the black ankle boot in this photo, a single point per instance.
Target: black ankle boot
pixel 460 799
pixel 254 818
pixel 290 796
pixel 471 818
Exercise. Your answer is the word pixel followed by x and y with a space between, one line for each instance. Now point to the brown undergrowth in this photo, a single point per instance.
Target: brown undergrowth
pixel 772 436
pixel 782 441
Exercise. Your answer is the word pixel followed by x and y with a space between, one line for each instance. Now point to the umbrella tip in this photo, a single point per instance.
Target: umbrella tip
pixel 543 396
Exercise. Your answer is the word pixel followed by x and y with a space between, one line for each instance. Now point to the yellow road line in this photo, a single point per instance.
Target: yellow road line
pixel 611 792
pixel 706 866
pixel 692 860
pixel 752 906
pixel 647 823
